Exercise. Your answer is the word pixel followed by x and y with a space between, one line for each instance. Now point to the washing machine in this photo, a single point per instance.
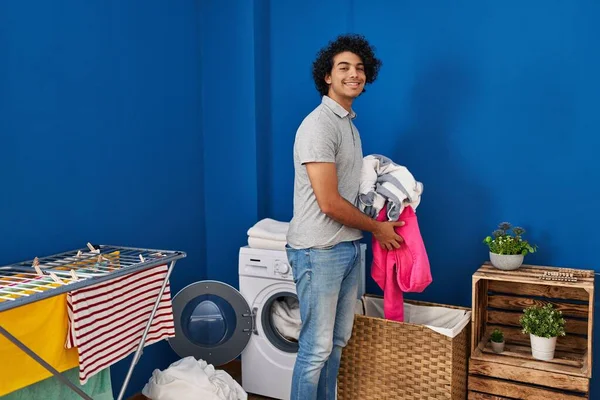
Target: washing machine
pixel 217 323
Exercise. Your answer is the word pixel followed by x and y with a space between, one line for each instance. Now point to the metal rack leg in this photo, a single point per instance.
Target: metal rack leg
pixel 138 352
pixel 43 363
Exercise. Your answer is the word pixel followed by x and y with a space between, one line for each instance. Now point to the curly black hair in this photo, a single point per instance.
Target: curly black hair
pixel 354 43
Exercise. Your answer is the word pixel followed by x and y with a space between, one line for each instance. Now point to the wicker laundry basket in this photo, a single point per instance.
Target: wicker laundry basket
pixel 386 359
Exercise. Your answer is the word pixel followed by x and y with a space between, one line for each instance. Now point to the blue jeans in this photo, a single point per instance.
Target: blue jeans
pixel 326 283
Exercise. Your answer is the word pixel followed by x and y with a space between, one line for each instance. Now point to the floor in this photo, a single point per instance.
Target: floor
pixel 234 369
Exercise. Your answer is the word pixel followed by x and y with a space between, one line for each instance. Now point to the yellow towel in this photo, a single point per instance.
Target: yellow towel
pixel 42 326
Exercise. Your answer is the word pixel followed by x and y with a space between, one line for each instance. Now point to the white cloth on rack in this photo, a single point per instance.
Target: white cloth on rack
pixel 286 317
pixel 271 229
pixel 107 320
pixel 268 244
pixel 188 379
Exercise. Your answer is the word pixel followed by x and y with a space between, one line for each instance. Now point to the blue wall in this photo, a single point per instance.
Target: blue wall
pixel 171 125
pixel 492 106
pixel 100 134
pixel 229 92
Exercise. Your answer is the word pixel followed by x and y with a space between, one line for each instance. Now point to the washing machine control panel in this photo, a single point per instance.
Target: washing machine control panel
pixel 281 267
pixel 273 265
pixel 264 263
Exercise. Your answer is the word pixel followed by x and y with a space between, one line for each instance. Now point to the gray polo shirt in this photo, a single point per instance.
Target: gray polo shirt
pixel 327 134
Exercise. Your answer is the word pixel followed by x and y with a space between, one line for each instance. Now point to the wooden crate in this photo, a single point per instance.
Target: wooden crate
pixel 499 298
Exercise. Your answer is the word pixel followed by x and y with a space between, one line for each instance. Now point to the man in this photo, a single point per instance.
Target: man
pixel 323 237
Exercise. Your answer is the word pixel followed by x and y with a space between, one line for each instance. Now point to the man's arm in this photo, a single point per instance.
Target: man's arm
pixel 323 178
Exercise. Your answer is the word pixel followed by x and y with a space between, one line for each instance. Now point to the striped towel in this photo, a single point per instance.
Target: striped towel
pixel 107 320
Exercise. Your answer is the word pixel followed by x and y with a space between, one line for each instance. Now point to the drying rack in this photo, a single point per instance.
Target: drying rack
pixel 50 276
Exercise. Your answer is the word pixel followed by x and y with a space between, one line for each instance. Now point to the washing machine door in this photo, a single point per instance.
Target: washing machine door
pixel 213 322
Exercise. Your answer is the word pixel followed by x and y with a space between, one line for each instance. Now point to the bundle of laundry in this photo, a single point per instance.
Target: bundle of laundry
pixel 285 313
pixel 191 379
pixel 402 270
pixel 268 234
pixel 389 192
pixel 286 317
pixel 386 184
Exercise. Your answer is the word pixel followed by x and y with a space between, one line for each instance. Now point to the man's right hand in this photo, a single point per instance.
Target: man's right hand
pixel 387 236
pixel 323 178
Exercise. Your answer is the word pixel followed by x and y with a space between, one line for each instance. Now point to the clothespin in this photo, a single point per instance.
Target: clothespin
pixel 74 275
pixel 142 258
pixel 92 249
pixel 36 266
pixel 158 254
pixel 55 278
pixel 78 253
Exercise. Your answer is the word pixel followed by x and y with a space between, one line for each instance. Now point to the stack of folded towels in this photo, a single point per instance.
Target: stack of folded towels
pixel 268 234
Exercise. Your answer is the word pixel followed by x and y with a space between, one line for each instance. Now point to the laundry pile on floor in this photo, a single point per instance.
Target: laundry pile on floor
pixel 268 234
pixel 188 379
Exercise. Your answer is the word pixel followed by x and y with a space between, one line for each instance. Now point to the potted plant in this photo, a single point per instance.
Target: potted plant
pixel 497 338
pixel 544 325
pixel 507 249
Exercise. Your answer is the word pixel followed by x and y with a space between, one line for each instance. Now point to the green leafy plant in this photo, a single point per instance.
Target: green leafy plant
pixel 503 241
pixel 543 321
pixel 497 336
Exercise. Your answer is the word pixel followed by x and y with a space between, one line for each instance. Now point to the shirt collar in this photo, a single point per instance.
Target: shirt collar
pixel 337 108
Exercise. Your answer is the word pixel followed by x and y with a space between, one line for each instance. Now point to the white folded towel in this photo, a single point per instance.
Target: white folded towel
pixel 260 243
pixel 271 229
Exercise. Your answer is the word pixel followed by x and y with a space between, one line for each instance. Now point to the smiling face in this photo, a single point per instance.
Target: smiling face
pixel 347 78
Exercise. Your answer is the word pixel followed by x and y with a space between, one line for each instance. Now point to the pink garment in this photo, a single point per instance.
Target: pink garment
pixel 405 269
